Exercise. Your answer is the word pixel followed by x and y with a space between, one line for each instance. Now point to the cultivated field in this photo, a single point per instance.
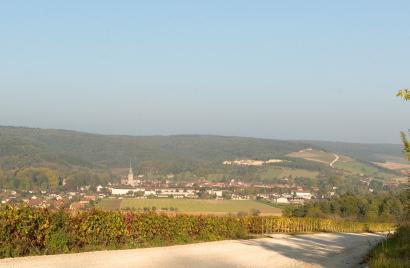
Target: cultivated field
pixel 344 163
pixel 358 168
pixel 191 206
pixel 393 165
pixel 314 155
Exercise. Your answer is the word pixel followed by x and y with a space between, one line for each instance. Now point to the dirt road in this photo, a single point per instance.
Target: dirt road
pixel 334 161
pixel 315 250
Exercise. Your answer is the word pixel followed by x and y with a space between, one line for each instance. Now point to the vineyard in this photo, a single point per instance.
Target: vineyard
pixel 27 231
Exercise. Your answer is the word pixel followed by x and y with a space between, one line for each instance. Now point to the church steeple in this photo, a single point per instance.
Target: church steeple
pixel 130 176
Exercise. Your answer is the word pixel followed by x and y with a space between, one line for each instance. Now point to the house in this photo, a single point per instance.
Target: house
pixel 304 195
pixel 77 205
pixel 125 191
pixel 280 200
pixel 37 202
pixel 149 193
pixel 215 192
pixel 239 197
pixel 99 188
pixel 57 203
pixel 296 200
pixel 90 197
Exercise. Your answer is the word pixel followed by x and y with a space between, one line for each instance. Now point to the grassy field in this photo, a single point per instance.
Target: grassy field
pixel 344 163
pixel 358 167
pixel 191 206
pixel 110 204
pixel 314 155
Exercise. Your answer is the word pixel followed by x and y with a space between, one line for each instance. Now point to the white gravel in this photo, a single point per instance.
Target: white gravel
pixel 313 250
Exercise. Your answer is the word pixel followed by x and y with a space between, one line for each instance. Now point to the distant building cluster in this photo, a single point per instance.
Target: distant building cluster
pixel 250 162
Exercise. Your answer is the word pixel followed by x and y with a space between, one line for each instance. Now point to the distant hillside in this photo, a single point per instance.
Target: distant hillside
pixel 77 148
pixel 42 158
pixel 70 147
pixel 362 151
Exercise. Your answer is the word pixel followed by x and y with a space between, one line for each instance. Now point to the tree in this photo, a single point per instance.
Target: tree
pixel 405 94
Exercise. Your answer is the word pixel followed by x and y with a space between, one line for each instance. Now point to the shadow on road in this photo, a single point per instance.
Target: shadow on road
pixel 337 250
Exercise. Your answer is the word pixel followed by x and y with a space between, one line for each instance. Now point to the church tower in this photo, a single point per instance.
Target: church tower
pixel 130 176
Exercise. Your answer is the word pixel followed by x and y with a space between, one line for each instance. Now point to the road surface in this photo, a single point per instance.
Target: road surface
pixel 334 161
pixel 313 250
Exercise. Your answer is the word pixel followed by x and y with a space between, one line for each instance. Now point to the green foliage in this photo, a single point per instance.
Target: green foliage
pixel 381 207
pixel 97 228
pixel 393 252
pixel 403 93
pixel 406 145
pixel 28 231
pixel 23 231
pixel 58 242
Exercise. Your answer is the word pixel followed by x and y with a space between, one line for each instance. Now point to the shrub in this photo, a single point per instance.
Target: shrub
pixel 28 231
pixel 392 252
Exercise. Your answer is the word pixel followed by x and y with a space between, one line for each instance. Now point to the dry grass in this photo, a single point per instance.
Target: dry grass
pixel 192 206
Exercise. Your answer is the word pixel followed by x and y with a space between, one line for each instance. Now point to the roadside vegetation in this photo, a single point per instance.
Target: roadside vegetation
pixel 382 207
pixel 392 252
pixel 28 231
pixel 395 250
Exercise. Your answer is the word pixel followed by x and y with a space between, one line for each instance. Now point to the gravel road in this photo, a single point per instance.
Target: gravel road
pixel 334 161
pixel 313 250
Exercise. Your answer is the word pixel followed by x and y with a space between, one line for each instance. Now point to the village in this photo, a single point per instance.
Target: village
pixel 135 187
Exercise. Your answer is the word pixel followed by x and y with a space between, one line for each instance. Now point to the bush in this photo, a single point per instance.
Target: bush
pixel 29 231
pixel 392 252
pixel 58 242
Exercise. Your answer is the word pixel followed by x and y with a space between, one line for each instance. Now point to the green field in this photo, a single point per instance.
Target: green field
pixel 191 206
pixel 314 155
pixel 358 167
pixel 110 204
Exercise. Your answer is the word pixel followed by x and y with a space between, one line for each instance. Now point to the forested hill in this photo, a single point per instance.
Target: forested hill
pixel 76 148
pixel 41 158
pixel 32 145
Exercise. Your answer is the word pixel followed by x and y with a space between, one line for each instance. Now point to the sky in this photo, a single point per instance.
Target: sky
pixel 323 70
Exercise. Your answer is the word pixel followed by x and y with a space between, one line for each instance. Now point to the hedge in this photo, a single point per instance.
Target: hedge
pixel 28 231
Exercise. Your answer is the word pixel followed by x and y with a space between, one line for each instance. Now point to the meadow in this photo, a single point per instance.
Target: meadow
pixel 344 163
pixel 314 155
pixel 356 167
pixel 191 206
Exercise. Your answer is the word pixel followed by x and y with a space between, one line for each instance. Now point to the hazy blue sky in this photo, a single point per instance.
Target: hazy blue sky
pixel 277 69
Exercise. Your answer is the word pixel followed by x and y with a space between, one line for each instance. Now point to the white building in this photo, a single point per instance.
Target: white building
pixel 122 191
pixel 215 192
pixel 281 200
pixel 99 188
pixel 168 192
pixel 303 195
